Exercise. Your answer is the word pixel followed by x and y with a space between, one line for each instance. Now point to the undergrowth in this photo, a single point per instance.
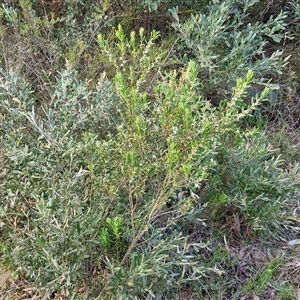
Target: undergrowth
pixel 129 155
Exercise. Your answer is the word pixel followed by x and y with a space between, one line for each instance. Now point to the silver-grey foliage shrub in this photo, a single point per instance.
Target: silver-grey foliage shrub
pixel 44 153
pixel 225 43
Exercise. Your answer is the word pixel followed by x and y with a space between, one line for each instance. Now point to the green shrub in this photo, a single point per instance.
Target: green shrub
pixel 38 40
pixel 102 182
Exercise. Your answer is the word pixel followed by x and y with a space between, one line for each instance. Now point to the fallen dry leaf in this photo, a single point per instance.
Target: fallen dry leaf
pixel 294 242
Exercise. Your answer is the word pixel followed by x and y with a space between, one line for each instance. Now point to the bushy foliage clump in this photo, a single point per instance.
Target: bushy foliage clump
pixel 103 184
pixel 232 44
